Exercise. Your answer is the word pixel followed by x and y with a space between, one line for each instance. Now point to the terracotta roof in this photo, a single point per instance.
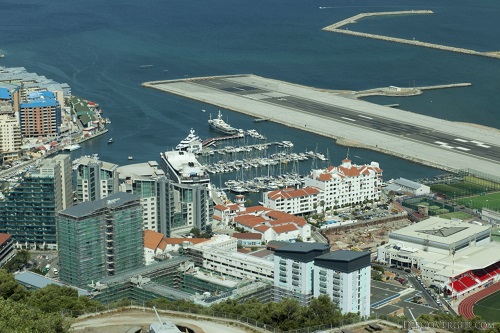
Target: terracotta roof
pixel 152 239
pixel 325 177
pixel 163 244
pixel 255 209
pixel 220 207
pixel 218 218
pixel 4 238
pixel 249 220
pixel 247 235
pixel 285 228
pixel 262 228
pixel 245 251
pixel 284 217
pixel 289 193
pixel 233 207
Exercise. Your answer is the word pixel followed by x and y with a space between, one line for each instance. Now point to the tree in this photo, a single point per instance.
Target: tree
pixel 19 317
pixel 10 289
pixel 54 298
pixel 18 261
pixel 196 232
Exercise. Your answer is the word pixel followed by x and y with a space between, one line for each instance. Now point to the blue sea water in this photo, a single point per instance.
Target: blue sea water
pixel 97 47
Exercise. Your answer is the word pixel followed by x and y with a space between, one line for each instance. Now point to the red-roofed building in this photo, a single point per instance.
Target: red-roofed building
pixel 248 238
pixel 293 201
pixel 272 224
pixel 346 184
pixel 156 245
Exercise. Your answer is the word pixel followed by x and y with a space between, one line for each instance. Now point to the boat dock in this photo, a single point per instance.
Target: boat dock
pixel 421 139
pixel 336 28
pixel 211 141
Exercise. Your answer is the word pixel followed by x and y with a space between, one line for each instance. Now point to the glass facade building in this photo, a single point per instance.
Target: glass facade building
pixel 100 238
pixel 29 211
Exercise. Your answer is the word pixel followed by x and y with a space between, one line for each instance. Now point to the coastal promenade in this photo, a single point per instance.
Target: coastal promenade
pixel 336 28
pixel 422 139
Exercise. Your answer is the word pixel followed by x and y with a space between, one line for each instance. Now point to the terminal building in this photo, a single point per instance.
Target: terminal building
pixel 453 255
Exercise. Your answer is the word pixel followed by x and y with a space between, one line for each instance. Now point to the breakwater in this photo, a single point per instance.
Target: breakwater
pixel 401 91
pixel 335 28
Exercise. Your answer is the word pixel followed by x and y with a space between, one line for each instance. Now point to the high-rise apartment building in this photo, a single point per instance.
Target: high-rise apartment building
pixel 149 183
pixel 10 131
pixel 189 204
pixel 95 179
pixel 100 238
pixel 10 137
pixel 306 270
pixel 294 270
pixel 345 276
pixel 40 115
pixel 29 210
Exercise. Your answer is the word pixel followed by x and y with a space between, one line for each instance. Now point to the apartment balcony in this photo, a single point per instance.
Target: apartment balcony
pixel 296 271
pixel 322 273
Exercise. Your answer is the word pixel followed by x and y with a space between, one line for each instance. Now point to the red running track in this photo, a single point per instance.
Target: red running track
pixel 465 307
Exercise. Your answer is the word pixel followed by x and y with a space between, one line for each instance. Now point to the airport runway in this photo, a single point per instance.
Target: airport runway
pixel 432 141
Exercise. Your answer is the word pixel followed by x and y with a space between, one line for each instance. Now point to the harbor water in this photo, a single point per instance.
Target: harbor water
pixel 104 51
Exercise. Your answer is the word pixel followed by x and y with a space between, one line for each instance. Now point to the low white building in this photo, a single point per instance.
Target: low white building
pixel 220 255
pixel 453 255
pixel 403 185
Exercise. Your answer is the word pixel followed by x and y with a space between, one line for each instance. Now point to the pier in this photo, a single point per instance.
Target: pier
pixel 336 28
pixel 421 139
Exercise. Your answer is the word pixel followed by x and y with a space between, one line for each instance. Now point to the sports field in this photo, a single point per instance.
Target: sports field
pixel 490 201
pixel 489 308
pixel 456 215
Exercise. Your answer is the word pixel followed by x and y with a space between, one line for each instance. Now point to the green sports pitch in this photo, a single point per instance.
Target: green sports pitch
pixel 488 308
pixel 490 201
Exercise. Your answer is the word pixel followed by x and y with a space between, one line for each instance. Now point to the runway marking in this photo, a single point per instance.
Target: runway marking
pixel 461 140
pixel 462 148
pixel 360 115
pixel 480 144
pixel 347 118
pixel 444 144
pixel 238 88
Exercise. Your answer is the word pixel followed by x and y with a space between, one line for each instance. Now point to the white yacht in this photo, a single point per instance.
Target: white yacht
pixel 188 140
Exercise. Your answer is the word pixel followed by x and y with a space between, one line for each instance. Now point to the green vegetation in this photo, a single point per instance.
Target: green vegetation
pixel 469 186
pixel 488 308
pixel 456 215
pixel 490 201
pixel 40 310
pixel 17 262
pixel 285 315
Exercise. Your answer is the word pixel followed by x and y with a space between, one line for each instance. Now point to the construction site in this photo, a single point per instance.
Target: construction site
pixel 364 236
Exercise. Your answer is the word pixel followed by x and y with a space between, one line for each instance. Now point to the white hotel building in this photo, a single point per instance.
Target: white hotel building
pixel 307 270
pixel 294 267
pixel 345 277
pixel 347 184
